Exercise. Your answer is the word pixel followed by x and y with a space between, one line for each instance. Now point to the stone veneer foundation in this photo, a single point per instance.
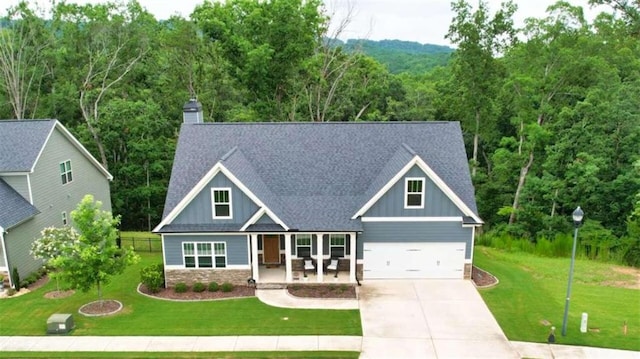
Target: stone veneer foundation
pixel 190 276
pixel 467 270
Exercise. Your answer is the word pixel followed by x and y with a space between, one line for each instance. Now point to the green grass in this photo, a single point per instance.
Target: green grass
pixel 533 289
pixel 279 355
pixel 28 313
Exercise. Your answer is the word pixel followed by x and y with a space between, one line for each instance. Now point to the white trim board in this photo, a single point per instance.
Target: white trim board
pixel 416 160
pixel 217 168
pixel 411 219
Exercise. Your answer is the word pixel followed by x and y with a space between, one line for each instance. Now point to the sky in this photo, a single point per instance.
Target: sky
pixel 423 21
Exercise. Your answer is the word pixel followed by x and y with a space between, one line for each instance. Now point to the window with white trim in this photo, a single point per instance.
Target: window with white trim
pixel 221 203
pixel 64 218
pixel 303 245
pixel 65 172
pixel 204 254
pixel 337 245
pixel 414 193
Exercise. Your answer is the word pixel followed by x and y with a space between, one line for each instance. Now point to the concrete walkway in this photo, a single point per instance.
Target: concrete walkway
pixel 179 344
pixel 282 299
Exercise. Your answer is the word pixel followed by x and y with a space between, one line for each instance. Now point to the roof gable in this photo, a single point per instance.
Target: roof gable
pixel 22 143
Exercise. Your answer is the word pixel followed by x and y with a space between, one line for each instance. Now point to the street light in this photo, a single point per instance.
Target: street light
pixel 577 221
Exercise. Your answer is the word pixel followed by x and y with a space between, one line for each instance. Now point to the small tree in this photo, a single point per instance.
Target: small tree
pixel 94 257
pixel 52 244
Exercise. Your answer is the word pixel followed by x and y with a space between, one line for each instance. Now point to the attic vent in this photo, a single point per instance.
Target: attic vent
pixel 192 112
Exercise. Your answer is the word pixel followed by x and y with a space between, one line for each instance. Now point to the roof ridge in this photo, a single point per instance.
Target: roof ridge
pixel 337 123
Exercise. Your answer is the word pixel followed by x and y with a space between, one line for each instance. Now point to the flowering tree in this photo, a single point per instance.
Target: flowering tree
pixel 52 244
pixel 92 257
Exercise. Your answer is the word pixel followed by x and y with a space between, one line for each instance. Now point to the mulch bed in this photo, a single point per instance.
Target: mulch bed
pixel 339 291
pixel 58 294
pixel 168 293
pixel 101 307
pixel 482 278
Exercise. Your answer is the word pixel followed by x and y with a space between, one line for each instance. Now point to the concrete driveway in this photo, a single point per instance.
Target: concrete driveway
pixel 428 319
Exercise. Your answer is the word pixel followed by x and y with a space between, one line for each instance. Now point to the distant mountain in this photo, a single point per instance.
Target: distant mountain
pixel 403 56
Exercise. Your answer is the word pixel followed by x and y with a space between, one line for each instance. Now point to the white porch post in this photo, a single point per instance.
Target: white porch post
pixel 353 258
pixel 320 258
pixel 254 256
pixel 287 256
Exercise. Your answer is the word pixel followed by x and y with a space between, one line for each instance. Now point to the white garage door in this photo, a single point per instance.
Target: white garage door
pixel 413 260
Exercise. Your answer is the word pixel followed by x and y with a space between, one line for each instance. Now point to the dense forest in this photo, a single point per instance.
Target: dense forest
pixel 550 112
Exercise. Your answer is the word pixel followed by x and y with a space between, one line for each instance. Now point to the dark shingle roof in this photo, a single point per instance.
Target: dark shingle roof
pixel 20 143
pixel 315 176
pixel 14 209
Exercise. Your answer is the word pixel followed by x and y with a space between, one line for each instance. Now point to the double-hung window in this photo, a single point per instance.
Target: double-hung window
pixel 64 219
pixel 336 245
pixel 221 203
pixel 65 172
pixel 204 254
pixel 414 193
pixel 303 245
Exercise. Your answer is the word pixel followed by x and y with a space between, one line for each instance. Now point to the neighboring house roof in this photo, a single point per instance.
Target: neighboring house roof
pixel 22 142
pixel 317 176
pixel 14 209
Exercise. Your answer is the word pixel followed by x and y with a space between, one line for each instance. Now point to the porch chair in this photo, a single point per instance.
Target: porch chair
pixel 308 264
pixel 333 266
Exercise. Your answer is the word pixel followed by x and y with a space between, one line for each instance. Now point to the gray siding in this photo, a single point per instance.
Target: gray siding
pixel 436 203
pixel 415 232
pixel 237 249
pixel 20 184
pixel 51 197
pixel 199 211
pixel 265 219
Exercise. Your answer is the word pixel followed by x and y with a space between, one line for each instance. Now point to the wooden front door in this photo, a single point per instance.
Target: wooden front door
pixel 271 249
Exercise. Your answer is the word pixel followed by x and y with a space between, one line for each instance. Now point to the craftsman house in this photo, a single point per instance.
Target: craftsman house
pixel 282 202
pixel 44 173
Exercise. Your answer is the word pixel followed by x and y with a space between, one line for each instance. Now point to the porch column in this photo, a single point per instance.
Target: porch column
pixel 353 258
pixel 320 258
pixel 287 258
pixel 254 257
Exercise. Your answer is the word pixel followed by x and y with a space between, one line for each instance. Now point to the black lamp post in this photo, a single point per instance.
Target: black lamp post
pixel 577 221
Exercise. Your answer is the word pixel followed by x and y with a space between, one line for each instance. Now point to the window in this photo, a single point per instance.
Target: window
pixel 221 202
pixel 65 172
pixel 336 245
pixel 204 254
pixel 414 193
pixel 64 218
pixel 303 245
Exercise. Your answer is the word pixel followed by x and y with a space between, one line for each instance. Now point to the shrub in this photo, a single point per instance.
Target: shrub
pixel 226 287
pixel 152 277
pixel 11 292
pixel 181 287
pixel 198 287
pixel 16 279
pixel 213 287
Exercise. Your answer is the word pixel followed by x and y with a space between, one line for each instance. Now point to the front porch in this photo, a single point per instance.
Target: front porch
pixel 277 275
pixel 281 257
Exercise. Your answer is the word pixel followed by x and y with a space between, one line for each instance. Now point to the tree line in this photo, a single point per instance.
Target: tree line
pixel 550 111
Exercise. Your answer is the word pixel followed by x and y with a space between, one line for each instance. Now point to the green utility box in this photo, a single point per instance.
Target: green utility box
pixel 59 324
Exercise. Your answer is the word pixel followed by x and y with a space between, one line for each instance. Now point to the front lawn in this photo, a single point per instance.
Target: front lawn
pixel 27 314
pixel 531 295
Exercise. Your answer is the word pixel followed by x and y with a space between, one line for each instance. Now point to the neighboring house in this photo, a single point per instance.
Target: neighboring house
pixel 387 199
pixel 44 173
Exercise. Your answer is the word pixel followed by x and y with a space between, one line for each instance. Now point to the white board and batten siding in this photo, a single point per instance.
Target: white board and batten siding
pixel 416 260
